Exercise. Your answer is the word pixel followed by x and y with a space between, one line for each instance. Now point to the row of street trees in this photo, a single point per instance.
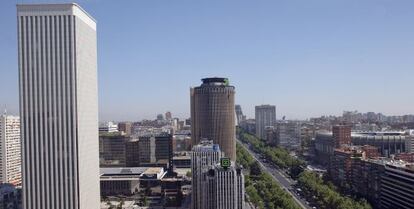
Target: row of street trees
pixel 277 155
pixel 326 195
pixel 317 191
pixel 261 188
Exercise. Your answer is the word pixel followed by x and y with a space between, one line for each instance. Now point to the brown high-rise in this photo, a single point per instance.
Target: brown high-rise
pixel 341 135
pixel 213 114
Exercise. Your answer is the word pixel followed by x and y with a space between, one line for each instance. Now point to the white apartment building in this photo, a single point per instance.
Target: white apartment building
pixel 10 150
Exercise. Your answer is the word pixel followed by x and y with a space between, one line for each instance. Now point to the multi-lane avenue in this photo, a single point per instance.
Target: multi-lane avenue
pixel 284 181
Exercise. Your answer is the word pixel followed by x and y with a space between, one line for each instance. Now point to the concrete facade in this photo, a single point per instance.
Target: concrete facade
pixel 213 114
pixel 58 106
pixel 203 156
pixel 223 188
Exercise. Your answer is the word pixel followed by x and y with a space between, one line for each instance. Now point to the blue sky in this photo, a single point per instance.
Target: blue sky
pixel 309 58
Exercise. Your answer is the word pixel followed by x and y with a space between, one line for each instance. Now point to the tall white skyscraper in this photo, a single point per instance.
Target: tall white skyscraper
pixel 216 181
pixel 10 150
pixel 203 157
pixel 58 107
pixel 265 116
pixel 223 187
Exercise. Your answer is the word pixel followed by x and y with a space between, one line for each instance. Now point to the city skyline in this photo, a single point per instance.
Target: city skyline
pixel 360 53
pixel 69 149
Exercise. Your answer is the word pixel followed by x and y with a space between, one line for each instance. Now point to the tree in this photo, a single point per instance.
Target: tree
pixel 255 169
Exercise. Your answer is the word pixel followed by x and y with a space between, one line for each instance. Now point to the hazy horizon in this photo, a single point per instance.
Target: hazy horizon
pixel 307 58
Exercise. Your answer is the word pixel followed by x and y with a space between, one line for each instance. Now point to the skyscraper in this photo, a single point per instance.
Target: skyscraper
pixel 203 156
pixel 213 114
pixel 58 106
pixel 10 150
pixel 223 187
pixel 265 116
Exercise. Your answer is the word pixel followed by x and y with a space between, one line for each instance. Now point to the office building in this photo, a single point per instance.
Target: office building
pixel 155 150
pixel 132 153
pixel 265 116
pixel 204 155
pixel 213 114
pixel 58 106
pixel 10 150
pixel 118 150
pixel 125 127
pixel 223 188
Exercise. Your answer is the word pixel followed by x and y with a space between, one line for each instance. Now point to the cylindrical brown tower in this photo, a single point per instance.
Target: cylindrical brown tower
pixel 213 114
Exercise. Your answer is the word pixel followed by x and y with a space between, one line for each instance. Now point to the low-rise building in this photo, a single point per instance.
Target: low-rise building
pixel 108 127
pixel 183 161
pixel 127 181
